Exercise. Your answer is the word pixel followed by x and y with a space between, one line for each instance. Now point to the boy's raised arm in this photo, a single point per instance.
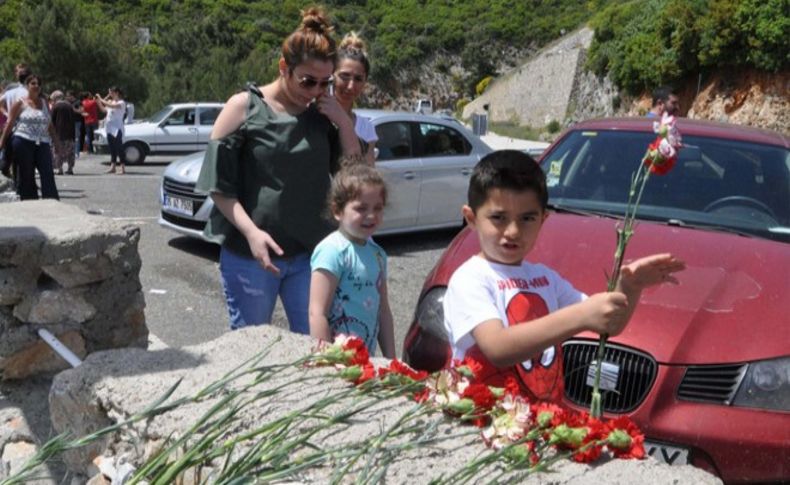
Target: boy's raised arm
pixel 508 345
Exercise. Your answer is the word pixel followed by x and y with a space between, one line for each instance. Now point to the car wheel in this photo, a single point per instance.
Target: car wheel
pixel 134 152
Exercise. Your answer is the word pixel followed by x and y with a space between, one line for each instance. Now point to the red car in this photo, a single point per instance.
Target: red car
pixel 705 365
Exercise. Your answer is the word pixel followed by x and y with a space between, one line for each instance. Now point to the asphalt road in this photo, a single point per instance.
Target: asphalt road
pixel 180 275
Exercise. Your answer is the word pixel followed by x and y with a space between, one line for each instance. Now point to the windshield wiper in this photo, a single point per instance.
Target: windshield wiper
pixel 580 212
pixel 709 227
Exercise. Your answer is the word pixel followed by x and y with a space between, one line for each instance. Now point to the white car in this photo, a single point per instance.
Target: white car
pixel 176 128
pixel 426 162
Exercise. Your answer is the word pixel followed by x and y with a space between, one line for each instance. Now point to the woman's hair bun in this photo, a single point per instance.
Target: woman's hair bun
pixel 315 19
pixel 351 41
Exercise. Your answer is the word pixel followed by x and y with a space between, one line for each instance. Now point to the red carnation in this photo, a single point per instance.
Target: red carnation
pixel 399 368
pixel 592 445
pixel 482 396
pixel 360 354
pixel 549 415
pixel 624 439
pixel 511 386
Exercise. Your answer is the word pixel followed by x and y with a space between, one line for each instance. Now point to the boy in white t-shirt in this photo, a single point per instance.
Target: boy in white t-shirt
pixel 492 295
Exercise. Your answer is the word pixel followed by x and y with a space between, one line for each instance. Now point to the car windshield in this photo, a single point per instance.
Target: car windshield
pixel 161 114
pixel 716 184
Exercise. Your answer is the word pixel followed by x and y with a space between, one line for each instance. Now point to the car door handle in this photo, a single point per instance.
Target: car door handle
pixel 466 171
pixel 193 130
pixel 409 175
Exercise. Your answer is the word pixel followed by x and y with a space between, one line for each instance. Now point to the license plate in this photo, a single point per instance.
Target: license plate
pixel 669 454
pixel 182 206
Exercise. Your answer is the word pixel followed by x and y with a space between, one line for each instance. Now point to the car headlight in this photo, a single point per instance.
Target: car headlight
pixel 766 385
pixel 430 312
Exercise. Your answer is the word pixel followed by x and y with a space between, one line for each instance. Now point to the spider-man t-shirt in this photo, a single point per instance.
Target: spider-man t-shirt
pixel 480 290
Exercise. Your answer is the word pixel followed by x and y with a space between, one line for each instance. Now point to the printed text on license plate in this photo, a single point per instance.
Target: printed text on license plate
pixel 177 204
pixel 671 455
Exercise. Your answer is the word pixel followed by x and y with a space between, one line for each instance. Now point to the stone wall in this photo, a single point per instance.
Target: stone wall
pixel 112 386
pixel 74 274
pixel 538 91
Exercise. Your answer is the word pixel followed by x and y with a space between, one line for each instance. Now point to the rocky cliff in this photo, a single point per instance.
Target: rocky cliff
pixel 536 87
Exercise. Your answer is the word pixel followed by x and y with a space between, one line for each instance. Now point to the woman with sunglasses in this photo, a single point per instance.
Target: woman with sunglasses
pixel 33 131
pixel 267 169
pixel 351 76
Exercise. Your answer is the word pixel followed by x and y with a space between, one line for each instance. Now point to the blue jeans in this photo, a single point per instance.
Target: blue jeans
pixel 251 291
pixel 29 157
pixel 116 148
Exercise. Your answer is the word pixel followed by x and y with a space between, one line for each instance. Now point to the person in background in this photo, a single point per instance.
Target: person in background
pixel 16 90
pixel 115 107
pixel 664 101
pixel 268 168
pixel 13 93
pixel 5 166
pixel 63 122
pixel 32 126
pixel 348 288
pixel 79 124
pixel 351 77
pixel 91 110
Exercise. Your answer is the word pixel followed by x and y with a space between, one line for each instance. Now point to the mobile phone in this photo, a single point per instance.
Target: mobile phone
pixel 331 90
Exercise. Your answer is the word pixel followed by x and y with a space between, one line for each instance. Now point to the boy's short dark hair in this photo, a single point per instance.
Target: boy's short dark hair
pixel 506 169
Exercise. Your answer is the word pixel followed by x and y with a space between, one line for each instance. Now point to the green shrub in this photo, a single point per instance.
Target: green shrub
pixel 553 126
pixel 645 43
pixel 483 85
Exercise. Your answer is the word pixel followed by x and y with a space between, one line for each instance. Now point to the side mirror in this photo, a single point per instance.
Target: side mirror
pixel 164 123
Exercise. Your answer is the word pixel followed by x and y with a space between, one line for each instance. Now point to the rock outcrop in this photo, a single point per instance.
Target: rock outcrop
pixel 540 90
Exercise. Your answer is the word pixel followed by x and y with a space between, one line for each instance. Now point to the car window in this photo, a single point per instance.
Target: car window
pixel 439 140
pixel 182 117
pixel 395 141
pixel 209 115
pixel 734 184
pixel 160 115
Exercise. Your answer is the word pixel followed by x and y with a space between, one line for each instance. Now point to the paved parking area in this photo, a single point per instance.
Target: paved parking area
pixel 180 275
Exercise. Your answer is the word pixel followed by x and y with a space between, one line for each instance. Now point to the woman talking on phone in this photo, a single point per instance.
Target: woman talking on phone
pixel 268 169
pixel 351 77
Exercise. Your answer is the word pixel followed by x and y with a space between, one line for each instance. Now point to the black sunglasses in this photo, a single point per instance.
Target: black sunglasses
pixel 309 82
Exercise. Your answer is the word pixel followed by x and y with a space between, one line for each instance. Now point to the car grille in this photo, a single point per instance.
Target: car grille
pixel 181 189
pixel 183 221
pixel 711 383
pixel 637 374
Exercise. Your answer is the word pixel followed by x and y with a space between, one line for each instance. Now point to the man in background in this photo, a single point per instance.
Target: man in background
pixel 63 121
pixel 664 101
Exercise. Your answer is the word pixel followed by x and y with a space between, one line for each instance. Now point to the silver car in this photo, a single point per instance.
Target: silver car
pixel 426 162
pixel 176 128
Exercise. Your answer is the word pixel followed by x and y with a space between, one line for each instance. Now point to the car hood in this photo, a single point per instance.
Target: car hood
pixel 186 169
pixel 731 304
pixel 142 128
